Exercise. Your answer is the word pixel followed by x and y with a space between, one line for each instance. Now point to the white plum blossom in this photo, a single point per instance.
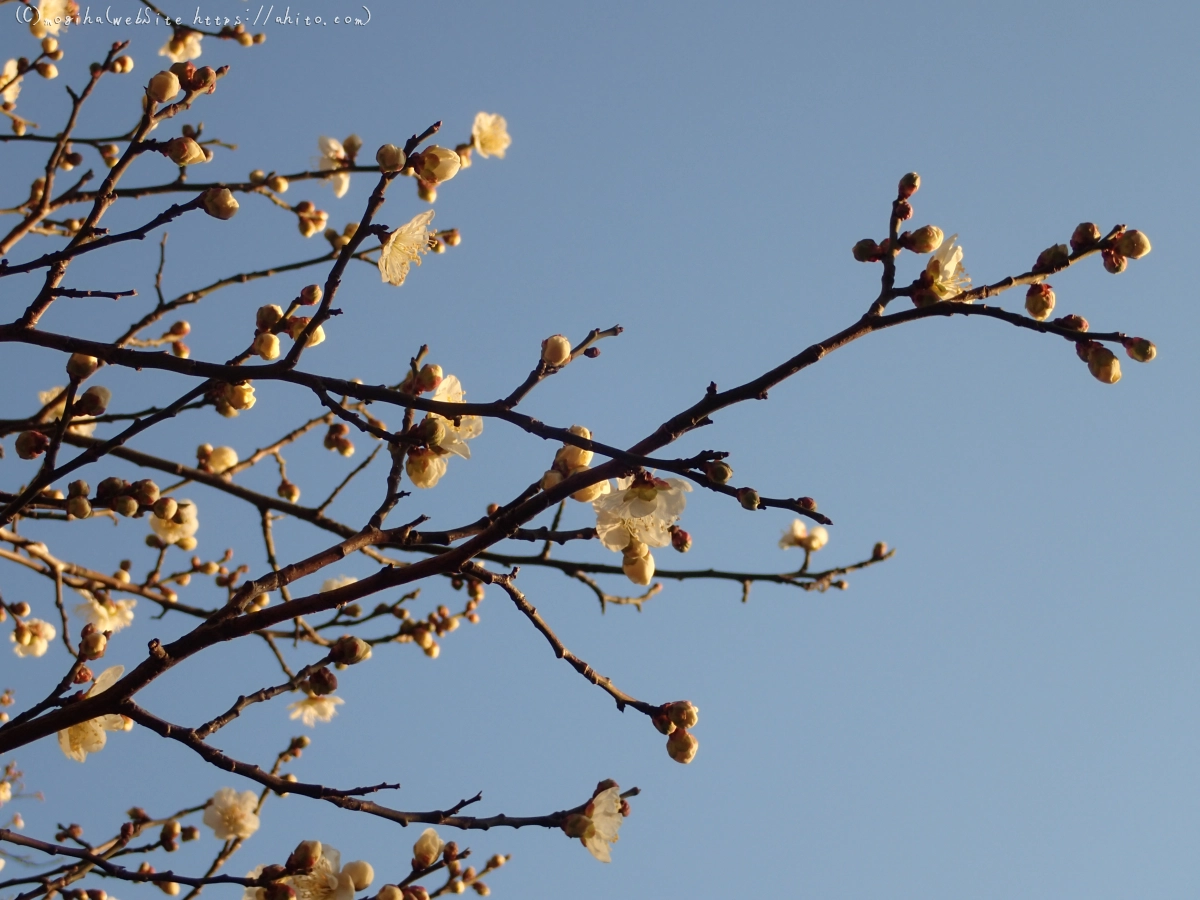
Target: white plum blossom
pixel 91 736
pixel 313 709
pixel 800 536
pixel 334 156
pixel 945 268
pixel 183 525
pixel 643 508
pixel 403 247
pixel 606 822
pixel 326 881
pixel 467 427
pixel 6 792
pixel 182 50
pixel 82 425
pixel 332 584
pixel 32 637
pixel 9 77
pixel 52 15
pixel 107 615
pixel 232 815
pixel 489 134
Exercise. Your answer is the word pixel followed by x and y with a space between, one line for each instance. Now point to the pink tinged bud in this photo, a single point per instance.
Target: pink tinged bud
pixel 278 890
pixel 81 366
pixel 867 251
pixel 925 239
pixel 556 351
pixel 437 164
pixel 902 210
pixel 1114 262
pixel 1052 259
pixel 220 203
pixel 1074 322
pixel 1086 234
pixel 1039 301
pixel 1133 244
pixel 681 540
pixel 183 151
pixel 662 721
pixel 124 506
pixel 428 378
pixel 163 87
pixel 1140 349
pixel 32 444
pixel 909 185
pixel 93 402
pixel 748 497
pixel 306 855
pixel 266 345
pixel 683 714
pixel 390 158
pixel 349 650
pixel 1083 349
pixel 1104 365
pixel 718 471
pixel 427 849
pixel 93 645
pixel 682 746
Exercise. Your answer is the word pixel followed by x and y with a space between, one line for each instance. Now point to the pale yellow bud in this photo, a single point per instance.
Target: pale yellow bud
pixel 163 87
pixel 239 396
pixel 47 70
pixel 311 294
pixel 438 164
pixel 1140 349
pixel 683 714
pixel 591 492
pixel 220 203
pixel 92 646
pixel 925 239
pixel 268 316
pixel 682 746
pixel 296 326
pixel 390 158
pixel 551 478
pixel 79 508
pixel 49 45
pixel 165 508
pixel 1104 365
pixel 556 351
pixel 1039 301
pixel 427 849
pixel 222 459
pixel 266 345
pixel 639 570
pixel 81 366
pixel 360 873
pixel 93 402
pixel 1133 244
pixel 572 457
pixel 183 151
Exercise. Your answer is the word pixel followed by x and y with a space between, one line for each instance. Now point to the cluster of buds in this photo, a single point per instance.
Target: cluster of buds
pixel 170 835
pixel 239 33
pixel 230 399
pixel 929 236
pixel 571 460
pixel 1125 246
pixel 338 240
pixel 309 219
pixel 423 632
pixel 174 522
pixel 119 495
pixel 336 439
pixel 122 65
pixel 194 80
pixel 92 642
pixel 427 379
pixel 674 720
pixel 680 539
pixel 216 460
pixel 288 491
pixel 78 505
pixel 276 183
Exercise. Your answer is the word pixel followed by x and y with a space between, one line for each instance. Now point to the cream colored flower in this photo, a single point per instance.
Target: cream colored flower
pixel 6 792
pixel 405 246
pixel 334 156
pixel 10 75
pixel 52 16
pixel 490 135
pixel 32 637
pixel 183 525
pixel 232 815
pixel 425 467
pixel 181 50
pixel 90 736
pixel 110 615
pixel 313 709
pixel 326 881
pixel 82 425
pixel 799 536
pixel 427 849
pixel 644 509
pixel 945 268
pixel 222 459
pixel 332 584
pixel 606 822
pixel 450 391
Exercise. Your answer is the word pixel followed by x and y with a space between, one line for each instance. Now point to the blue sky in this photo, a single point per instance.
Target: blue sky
pixel 1006 708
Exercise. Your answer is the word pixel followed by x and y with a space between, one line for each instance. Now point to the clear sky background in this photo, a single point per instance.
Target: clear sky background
pixel 1007 708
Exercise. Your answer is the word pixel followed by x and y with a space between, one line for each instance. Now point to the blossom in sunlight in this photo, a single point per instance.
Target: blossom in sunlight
pixel 6 792
pixel 9 77
pixel 332 584
pixel 107 615
pixel 427 849
pixel 232 815
pixel 32 637
pixel 334 156
pixel 605 814
pixel 79 425
pixel 460 430
pixel 800 536
pixel 180 526
pixel 945 268
pixel 183 45
pixel 403 247
pixel 424 467
pixel 642 508
pixel 313 709
pixel 326 881
pixel 52 16
pixel 90 736
pixel 489 134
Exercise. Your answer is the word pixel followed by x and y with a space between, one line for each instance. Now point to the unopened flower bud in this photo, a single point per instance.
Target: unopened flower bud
pixel 748 497
pixel 867 251
pixel 268 317
pixel 683 714
pixel 349 650
pixel 1052 259
pixel 428 378
pixel 183 151
pixel 310 295
pixel 879 551
pixel 426 191
pixel 718 471
pixel 556 351
pixel 1086 235
pixel 1114 262
pixel 361 874
pixel 639 570
pixel 437 164
pixel 306 855
pixel 277 183
pixel 93 402
pixel 682 746
pixel 807 503
pixel 427 849
pixel 925 239
pixel 296 326
pixel 81 366
pixel 322 682
pixel 32 444
pixel 902 210
pixel 92 646
pixel 266 345
pixel 390 158
pixel 239 396
pixel 78 488
pixel 452 237
pixel 220 203
pixel 1072 321
pixel 909 185
pixel 1133 244
pixel 47 70
pixel 288 491
pixel 1140 349
pixel 1039 301
pixel 144 491
pixel 1104 365
pixel 550 479
pixel 165 508
pixel 662 721
pixel 390 892
pixel 170 888
pixel 79 508
pixel 681 540
pixel 186 544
